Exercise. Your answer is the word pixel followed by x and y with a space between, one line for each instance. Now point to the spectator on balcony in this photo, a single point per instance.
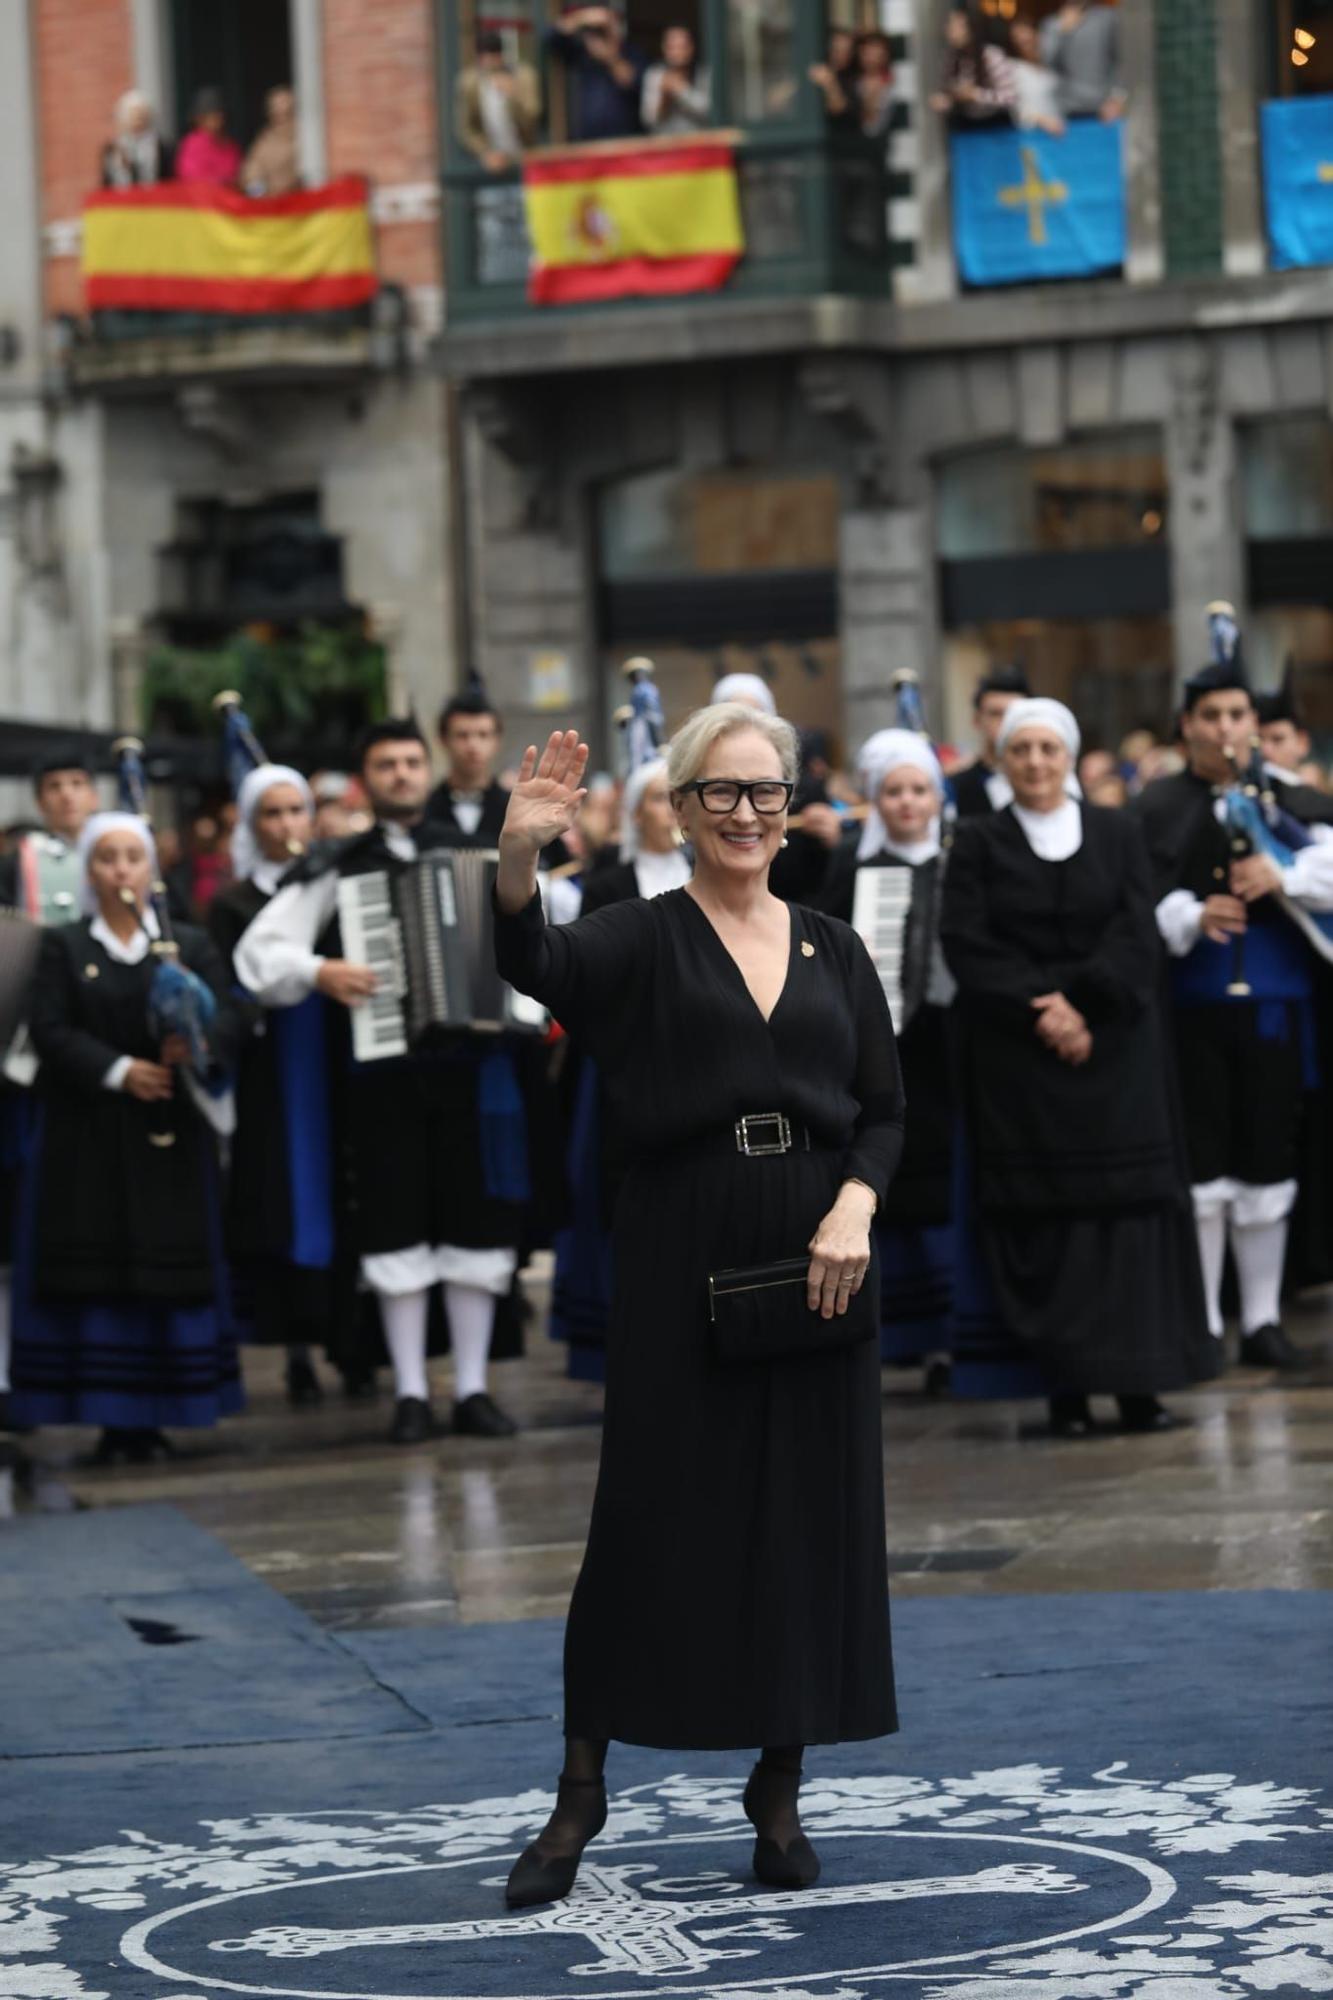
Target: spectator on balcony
pixel 138 156
pixel 1081 45
pixel 977 87
pixel 872 85
pixel 607 72
pixel 833 79
pixel 206 153
pixel 1037 89
pixel 272 165
pixel 677 96
pixel 499 106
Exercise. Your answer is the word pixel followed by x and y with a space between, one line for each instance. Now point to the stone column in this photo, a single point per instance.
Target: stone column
pixel 307 18
pixel 1245 238
pixel 130 642
pixel 1207 542
pixel 885 578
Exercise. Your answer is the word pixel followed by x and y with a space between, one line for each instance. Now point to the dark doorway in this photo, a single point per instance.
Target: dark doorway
pixel 241 47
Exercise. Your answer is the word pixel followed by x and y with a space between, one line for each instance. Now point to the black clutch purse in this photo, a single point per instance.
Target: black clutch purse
pixel 760 1313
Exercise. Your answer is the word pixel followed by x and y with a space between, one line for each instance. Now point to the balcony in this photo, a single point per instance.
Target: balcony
pixel 188 284
pixel 812 202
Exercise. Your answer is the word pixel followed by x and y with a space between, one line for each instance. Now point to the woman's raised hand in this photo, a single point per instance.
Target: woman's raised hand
pixel 545 802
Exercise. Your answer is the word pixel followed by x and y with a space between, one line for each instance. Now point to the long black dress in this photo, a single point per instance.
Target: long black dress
pixel 1080 1181
pixel 121 1316
pixel 914 1228
pixel 734 1590
pixel 295 1284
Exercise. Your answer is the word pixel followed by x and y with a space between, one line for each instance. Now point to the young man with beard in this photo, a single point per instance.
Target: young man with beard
pixel 425 1201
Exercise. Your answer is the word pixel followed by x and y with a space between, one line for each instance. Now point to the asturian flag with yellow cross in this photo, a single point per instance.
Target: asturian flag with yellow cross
pixel 1028 205
pixel 1298 180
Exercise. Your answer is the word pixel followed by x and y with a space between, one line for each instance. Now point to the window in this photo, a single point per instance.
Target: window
pixel 761 55
pixel 1303 47
pixel 242 48
pixel 1078 496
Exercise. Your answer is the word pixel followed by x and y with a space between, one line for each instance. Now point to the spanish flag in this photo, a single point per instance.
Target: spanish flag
pixel 187 246
pixel 617 221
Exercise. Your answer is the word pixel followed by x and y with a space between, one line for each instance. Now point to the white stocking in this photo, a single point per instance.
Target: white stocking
pixel 471 1323
pixel 403 1316
pixel 1211 1201
pixel 1260 1255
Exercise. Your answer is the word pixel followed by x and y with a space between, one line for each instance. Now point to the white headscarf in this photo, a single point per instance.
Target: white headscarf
pixel 635 787
pixel 246 854
pixel 887 750
pixel 746 688
pixel 93 831
pixel 1049 714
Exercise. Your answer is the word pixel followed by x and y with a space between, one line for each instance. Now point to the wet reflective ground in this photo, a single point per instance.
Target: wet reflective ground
pixel 363 1534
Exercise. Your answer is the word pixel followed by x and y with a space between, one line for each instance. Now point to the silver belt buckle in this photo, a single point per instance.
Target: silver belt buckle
pixel 758 1148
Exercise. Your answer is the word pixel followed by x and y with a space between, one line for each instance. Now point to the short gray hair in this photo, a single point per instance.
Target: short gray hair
pixel 694 739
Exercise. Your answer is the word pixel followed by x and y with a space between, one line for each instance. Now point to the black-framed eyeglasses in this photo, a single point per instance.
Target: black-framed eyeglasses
pixel 723 795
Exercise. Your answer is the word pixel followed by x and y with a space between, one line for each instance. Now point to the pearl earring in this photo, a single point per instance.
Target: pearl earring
pixel 784 840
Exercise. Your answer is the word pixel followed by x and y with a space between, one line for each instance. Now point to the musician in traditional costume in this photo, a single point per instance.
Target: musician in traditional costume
pixel 653 862
pixel 121 1315
pixel 40 878
pixel 435 1136
pixel 281 1237
pixel 888 888
pixel 1283 735
pixel 734 1590
pixel 1079 1200
pixel 983 786
pixel 1250 992
pixel 469 799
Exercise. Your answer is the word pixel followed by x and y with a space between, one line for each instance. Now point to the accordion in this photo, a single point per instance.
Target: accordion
pixel 427 931
pixel 881 907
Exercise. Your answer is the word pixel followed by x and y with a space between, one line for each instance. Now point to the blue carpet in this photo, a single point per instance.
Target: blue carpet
pixel 1094 1798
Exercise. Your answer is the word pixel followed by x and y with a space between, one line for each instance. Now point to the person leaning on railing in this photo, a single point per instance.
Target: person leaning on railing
pixel 273 165
pixel 206 153
pixel 138 156
pixel 677 96
pixel 499 106
pixel 977 86
pixel 1081 44
pixel 607 71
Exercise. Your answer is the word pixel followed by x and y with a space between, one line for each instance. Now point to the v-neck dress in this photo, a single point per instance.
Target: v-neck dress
pixel 734 1590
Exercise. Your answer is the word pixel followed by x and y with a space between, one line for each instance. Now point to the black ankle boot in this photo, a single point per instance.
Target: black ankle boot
pixel 1071 1417
pixel 547 1871
pixel 787 1864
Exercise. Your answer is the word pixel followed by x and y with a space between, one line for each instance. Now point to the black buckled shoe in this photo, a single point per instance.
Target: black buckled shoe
pixel 478 1416
pixel 1142 1416
pixel 412 1421
pixel 1071 1417
pixel 303 1389
pixel 1269 1347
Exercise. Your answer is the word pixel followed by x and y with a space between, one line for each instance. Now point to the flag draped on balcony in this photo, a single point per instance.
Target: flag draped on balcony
pixel 1027 205
pixel 616 221
pixel 1298 180
pixel 186 246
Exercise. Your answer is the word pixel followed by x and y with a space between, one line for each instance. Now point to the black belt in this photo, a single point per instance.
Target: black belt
pixel 759 1135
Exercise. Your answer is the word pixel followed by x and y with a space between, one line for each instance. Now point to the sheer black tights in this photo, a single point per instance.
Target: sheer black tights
pixel 771 1795
pixel 580 1806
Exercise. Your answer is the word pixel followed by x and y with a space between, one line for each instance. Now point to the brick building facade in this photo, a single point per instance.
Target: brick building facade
pixel 106 449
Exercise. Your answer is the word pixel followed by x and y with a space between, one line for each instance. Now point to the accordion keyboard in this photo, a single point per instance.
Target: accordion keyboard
pixel 372 936
pixel 879 916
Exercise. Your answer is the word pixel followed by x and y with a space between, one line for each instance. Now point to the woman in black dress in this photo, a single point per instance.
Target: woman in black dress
pixel 121 1316
pixel 280 1235
pixel 734 1589
pixel 903 832
pixel 1082 1207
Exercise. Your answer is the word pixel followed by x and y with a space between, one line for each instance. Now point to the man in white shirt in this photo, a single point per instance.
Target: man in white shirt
pixel 1250 987
pixel 426 1202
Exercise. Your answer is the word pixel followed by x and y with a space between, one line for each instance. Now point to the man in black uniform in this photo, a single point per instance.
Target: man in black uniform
pixel 434 1141
pixel 983 787
pixel 470 800
pixel 1250 993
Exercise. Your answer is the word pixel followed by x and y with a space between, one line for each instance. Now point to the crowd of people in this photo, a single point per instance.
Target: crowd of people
pixel 138 155
pixel 1058 930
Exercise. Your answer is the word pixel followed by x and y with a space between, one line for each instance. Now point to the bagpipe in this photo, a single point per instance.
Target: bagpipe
pixel 179 1002
pixel 1254 819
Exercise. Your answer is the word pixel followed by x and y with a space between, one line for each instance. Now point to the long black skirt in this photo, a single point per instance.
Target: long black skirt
pixel 734 1591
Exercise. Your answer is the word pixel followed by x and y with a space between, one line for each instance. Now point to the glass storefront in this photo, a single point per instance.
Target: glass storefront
pixel 1057 560
pixel 1286 483
pixel 722 572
